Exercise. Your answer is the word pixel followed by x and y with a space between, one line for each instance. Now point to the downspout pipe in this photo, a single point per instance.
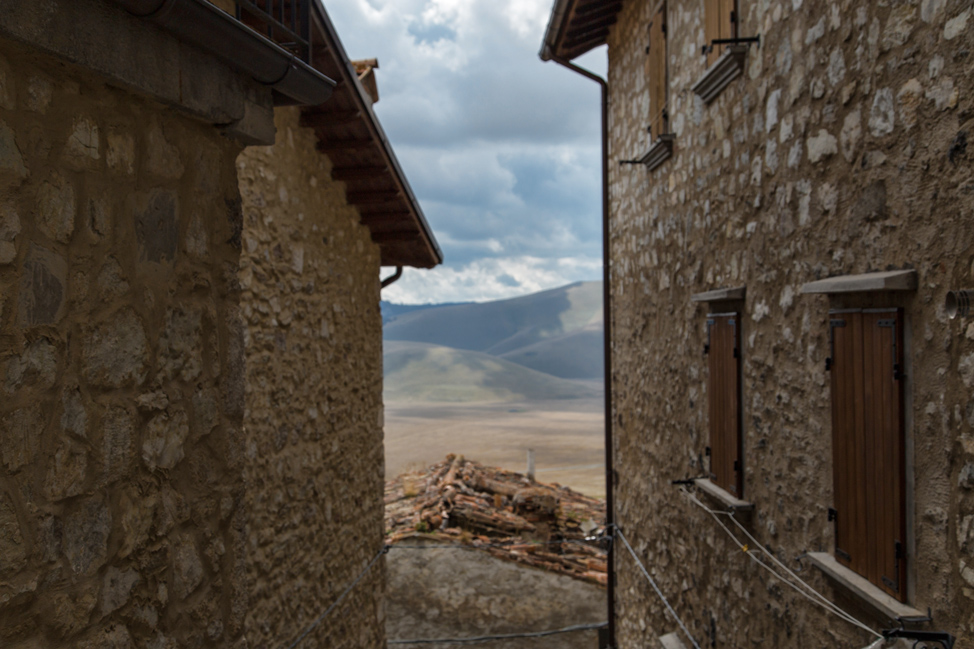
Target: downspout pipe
pixel 607 326
pixel 211 29
pixel 392 278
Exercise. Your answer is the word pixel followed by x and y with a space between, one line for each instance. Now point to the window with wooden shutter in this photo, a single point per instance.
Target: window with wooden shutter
pixel 656 74
pixel 724 396
pixel 720 17
pixel 869 465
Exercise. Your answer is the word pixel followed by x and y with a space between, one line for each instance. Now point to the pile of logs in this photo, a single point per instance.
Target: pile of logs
pixel 501 512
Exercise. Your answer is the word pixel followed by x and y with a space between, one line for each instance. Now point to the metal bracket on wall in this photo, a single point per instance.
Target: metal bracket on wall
pixel 707 49
pixel 941 637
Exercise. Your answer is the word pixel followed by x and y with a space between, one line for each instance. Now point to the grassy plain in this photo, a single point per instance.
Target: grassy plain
pixel 567 436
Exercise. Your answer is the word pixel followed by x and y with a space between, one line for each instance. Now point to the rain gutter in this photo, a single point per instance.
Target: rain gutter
pixel 546 55
pixel 202 24
pixel 392 279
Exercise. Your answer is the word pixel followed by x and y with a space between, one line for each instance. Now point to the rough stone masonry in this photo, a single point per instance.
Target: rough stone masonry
pixel 120 370
pixel 842 149
pixel 190 368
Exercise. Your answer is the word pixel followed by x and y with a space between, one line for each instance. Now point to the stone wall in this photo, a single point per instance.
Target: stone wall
pixel 841 150
pixel 313 419
pixel 462 593
pixel 120 368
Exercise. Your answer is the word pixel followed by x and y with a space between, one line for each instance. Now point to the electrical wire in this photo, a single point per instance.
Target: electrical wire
pixel 812 594
pixel 505 636
pixel 311 627
pixel 809 593
pixel 652 583
pixel 506 544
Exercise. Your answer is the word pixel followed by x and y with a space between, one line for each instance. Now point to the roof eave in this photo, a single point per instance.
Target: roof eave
pixel 392 251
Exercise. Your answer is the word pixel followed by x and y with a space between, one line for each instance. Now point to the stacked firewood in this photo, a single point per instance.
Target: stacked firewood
pixel 501 512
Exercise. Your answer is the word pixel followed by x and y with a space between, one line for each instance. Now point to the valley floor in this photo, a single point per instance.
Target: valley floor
pixel 566 435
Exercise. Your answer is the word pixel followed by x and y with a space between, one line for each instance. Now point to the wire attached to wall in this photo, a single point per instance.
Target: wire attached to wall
pixel 504 636
pixel 795 582
pixel 361 575
pixel 652 583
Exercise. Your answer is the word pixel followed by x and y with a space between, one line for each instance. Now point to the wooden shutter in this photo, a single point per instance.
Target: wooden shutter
pixel 720 22
pixel 847 443
pixel 869 467
pixel 656 73
pixel 724 400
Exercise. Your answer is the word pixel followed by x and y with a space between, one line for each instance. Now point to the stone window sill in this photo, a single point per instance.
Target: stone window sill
pixel 671 641
pixel 862 589
pixel 720 295
pixel 728 67
pixel 659 152
pixel 893 280
pixel 723 497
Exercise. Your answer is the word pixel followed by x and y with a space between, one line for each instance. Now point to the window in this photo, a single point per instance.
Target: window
pixel 720 23
pixel 868 447
pixel 724 396
pixel 656 75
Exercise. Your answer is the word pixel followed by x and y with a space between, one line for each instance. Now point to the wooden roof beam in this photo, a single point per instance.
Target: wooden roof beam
pixel 320 116
pixel 369 172
pixel 585 44
pixel 338 146
pixel 396 235
pixel 361 197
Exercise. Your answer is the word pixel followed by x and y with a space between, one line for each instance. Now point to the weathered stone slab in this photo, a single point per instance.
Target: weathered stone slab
pixel 43 288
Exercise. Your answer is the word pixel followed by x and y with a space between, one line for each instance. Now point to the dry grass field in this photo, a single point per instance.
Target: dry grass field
pixel 566 435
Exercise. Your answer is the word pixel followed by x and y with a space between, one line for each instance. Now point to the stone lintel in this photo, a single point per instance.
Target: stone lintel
pixel 723 497
pixel 659 152
pixel 671 641
pixel 862 589
pixel 104 38
pixel 891 280
pixel 720 294
pixel 724 70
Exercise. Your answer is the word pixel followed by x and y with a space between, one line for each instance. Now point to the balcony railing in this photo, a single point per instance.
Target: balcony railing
pixel 286 22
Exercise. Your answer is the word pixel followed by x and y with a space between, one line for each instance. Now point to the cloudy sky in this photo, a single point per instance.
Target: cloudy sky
pixel 501 149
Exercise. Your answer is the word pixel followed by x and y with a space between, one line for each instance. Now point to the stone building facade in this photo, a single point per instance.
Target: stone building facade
pixel 798 183
pixel 315 466
pixel 190 340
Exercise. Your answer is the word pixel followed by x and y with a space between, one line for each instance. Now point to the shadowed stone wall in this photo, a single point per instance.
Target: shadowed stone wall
pixel 313 419
pixel 463 593
pixel 120 368
pixel 842 149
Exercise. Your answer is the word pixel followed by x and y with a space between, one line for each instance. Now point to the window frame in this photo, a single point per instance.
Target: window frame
pixel 720 449
pixel 658 71
pixel 714 27
pixel 903 591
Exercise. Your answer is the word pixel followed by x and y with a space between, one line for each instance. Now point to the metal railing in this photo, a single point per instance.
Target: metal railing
pixel 286 22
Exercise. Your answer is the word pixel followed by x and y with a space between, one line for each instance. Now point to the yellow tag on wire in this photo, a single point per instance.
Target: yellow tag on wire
pixel 744 548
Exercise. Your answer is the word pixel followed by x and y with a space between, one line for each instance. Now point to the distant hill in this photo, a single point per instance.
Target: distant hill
pixel 416 371
pixel 556 331
pixel 575 355
pixel 391 311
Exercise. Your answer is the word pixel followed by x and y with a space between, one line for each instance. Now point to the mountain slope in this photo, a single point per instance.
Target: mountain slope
pixel 575 355
pixel 504 326
pixel 423 372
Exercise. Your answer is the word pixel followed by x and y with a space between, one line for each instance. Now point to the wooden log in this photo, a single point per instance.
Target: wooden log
pixel 483 483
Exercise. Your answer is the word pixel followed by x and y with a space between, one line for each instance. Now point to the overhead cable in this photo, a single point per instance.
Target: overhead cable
pixel 505 636
pixel 311 627
pixel 504 544
pixel 652 583
pixel 809 593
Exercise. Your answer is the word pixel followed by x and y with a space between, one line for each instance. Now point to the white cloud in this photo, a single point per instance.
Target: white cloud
pixel 501 150
pixel 490 279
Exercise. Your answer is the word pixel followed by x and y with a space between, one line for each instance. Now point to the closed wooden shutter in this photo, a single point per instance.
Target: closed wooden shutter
pixel 724 400
pixel 656 70
pixel 869 467
pixel 720 22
